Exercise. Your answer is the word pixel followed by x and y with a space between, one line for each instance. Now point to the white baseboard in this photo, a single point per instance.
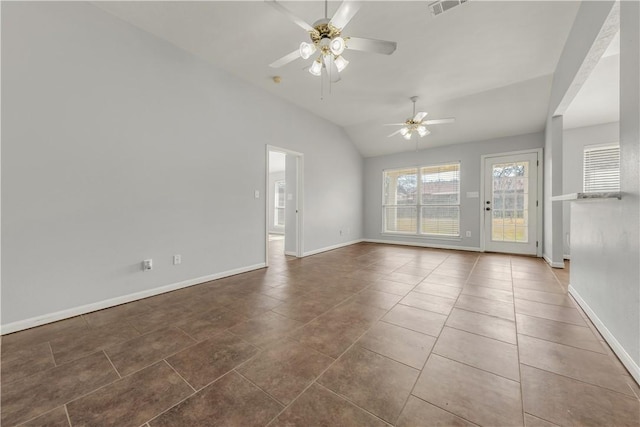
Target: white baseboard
pixel 617 348
pixel 88 308
pixel 551 263
pixel 567 257
pixel 424 245
pixel 330 248
pixel 289 253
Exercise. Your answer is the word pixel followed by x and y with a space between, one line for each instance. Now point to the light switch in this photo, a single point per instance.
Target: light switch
pixel 256 194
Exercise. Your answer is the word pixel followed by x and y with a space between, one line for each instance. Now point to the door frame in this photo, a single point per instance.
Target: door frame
pixel 299 199
pixel 539 210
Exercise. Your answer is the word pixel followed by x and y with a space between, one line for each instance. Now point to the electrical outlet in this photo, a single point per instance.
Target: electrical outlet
pixel 468 234
pixel 147 264
pixel 177 259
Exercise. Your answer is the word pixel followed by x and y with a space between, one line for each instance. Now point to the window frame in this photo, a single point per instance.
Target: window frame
pixel 419 204
pixel 276 204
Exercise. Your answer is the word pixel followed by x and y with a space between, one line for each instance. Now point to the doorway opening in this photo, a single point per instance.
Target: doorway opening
pixel 283 205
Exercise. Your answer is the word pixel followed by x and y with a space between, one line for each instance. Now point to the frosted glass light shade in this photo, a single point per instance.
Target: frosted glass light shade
pixel 307 49
pixel 316 68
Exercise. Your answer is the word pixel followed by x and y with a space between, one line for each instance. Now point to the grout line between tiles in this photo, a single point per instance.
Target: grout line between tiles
pixel 583 381
pixel 66 411
pixel 434 346
pixel 178 374
pixel 561 343
pixel 518 349
pixel 53 357
pixel 538 417
pixel 112 365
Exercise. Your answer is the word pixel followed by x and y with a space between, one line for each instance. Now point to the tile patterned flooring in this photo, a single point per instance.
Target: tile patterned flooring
pixel 366 335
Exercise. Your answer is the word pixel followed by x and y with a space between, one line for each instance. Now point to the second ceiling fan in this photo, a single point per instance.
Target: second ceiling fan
pixel 417 123
pixel 327 39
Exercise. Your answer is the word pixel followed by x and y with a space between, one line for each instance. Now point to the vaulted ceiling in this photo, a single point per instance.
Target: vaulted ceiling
pixel 488 64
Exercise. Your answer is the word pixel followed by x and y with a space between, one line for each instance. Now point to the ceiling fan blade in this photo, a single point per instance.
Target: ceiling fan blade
pixel 293 18
pixel 286 59
pixel 419 116
pixel 394 124
pixel 345 13
pixel 439 121
pixel 371 45
pixel 395 133
pixel 332 69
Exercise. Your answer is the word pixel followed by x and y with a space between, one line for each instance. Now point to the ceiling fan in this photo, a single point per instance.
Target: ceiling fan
pixel 417 123
pixel 326 37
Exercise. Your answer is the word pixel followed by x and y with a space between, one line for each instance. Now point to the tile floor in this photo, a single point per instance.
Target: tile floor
pixel 367 335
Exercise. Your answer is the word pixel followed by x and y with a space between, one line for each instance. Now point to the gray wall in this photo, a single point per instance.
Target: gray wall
pixel 589 20
pixel 573 143
pixel 469 155
pixel 118 146
pixel 605 254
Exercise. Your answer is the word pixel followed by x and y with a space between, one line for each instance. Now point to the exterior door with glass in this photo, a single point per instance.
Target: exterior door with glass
pixel 510 204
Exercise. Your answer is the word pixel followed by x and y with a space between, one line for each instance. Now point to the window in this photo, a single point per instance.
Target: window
pixel 601 168
pixel 278 214
pixel 423 201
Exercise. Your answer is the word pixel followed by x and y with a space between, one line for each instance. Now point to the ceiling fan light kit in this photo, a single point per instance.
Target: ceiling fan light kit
pixel 326 38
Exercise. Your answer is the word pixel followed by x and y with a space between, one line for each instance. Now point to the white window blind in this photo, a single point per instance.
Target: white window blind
pixel 601 168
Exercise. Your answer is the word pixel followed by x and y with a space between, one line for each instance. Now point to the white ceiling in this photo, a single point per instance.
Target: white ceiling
pixel 598 100
pixel 487 63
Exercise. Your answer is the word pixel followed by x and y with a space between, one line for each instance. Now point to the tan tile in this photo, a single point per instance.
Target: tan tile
pixel 304 309
pixel 54 418
pixel 482 324
pixel 548 311
pixel 252 305
pixel 428 302
pixel 470 393
pixel 391 287
pixel 74 346
pixel 285 369
pixel 531 421
pixel 397 343
pixel 32 337
pixel 140 352
pixel 407 279
pixel 417 411
pixel 206 324
pixel 480 352
pixel 321 407
pixel 266 328
pixel 427 322
pixel 116 314
pixel 22 363
pixel 371 381
pixel 333 332
pixel 440 279
pixel 376 299
pixel 132 400
pixel 500 309
pixel 490 283
pixel 559 332
pixel 538 285
pixel 204 362
pixel 583 365
pixel 414 270
pixel 32 396
pixel 565 401
pixel 488 293
pixel 230 401
pixel 159 318
pixel 545 297
pixel 444 291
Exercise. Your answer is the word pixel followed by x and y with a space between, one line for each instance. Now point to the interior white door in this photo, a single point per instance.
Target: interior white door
pixel 510 204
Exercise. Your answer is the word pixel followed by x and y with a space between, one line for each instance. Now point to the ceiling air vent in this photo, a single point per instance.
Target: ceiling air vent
pixel 438 7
